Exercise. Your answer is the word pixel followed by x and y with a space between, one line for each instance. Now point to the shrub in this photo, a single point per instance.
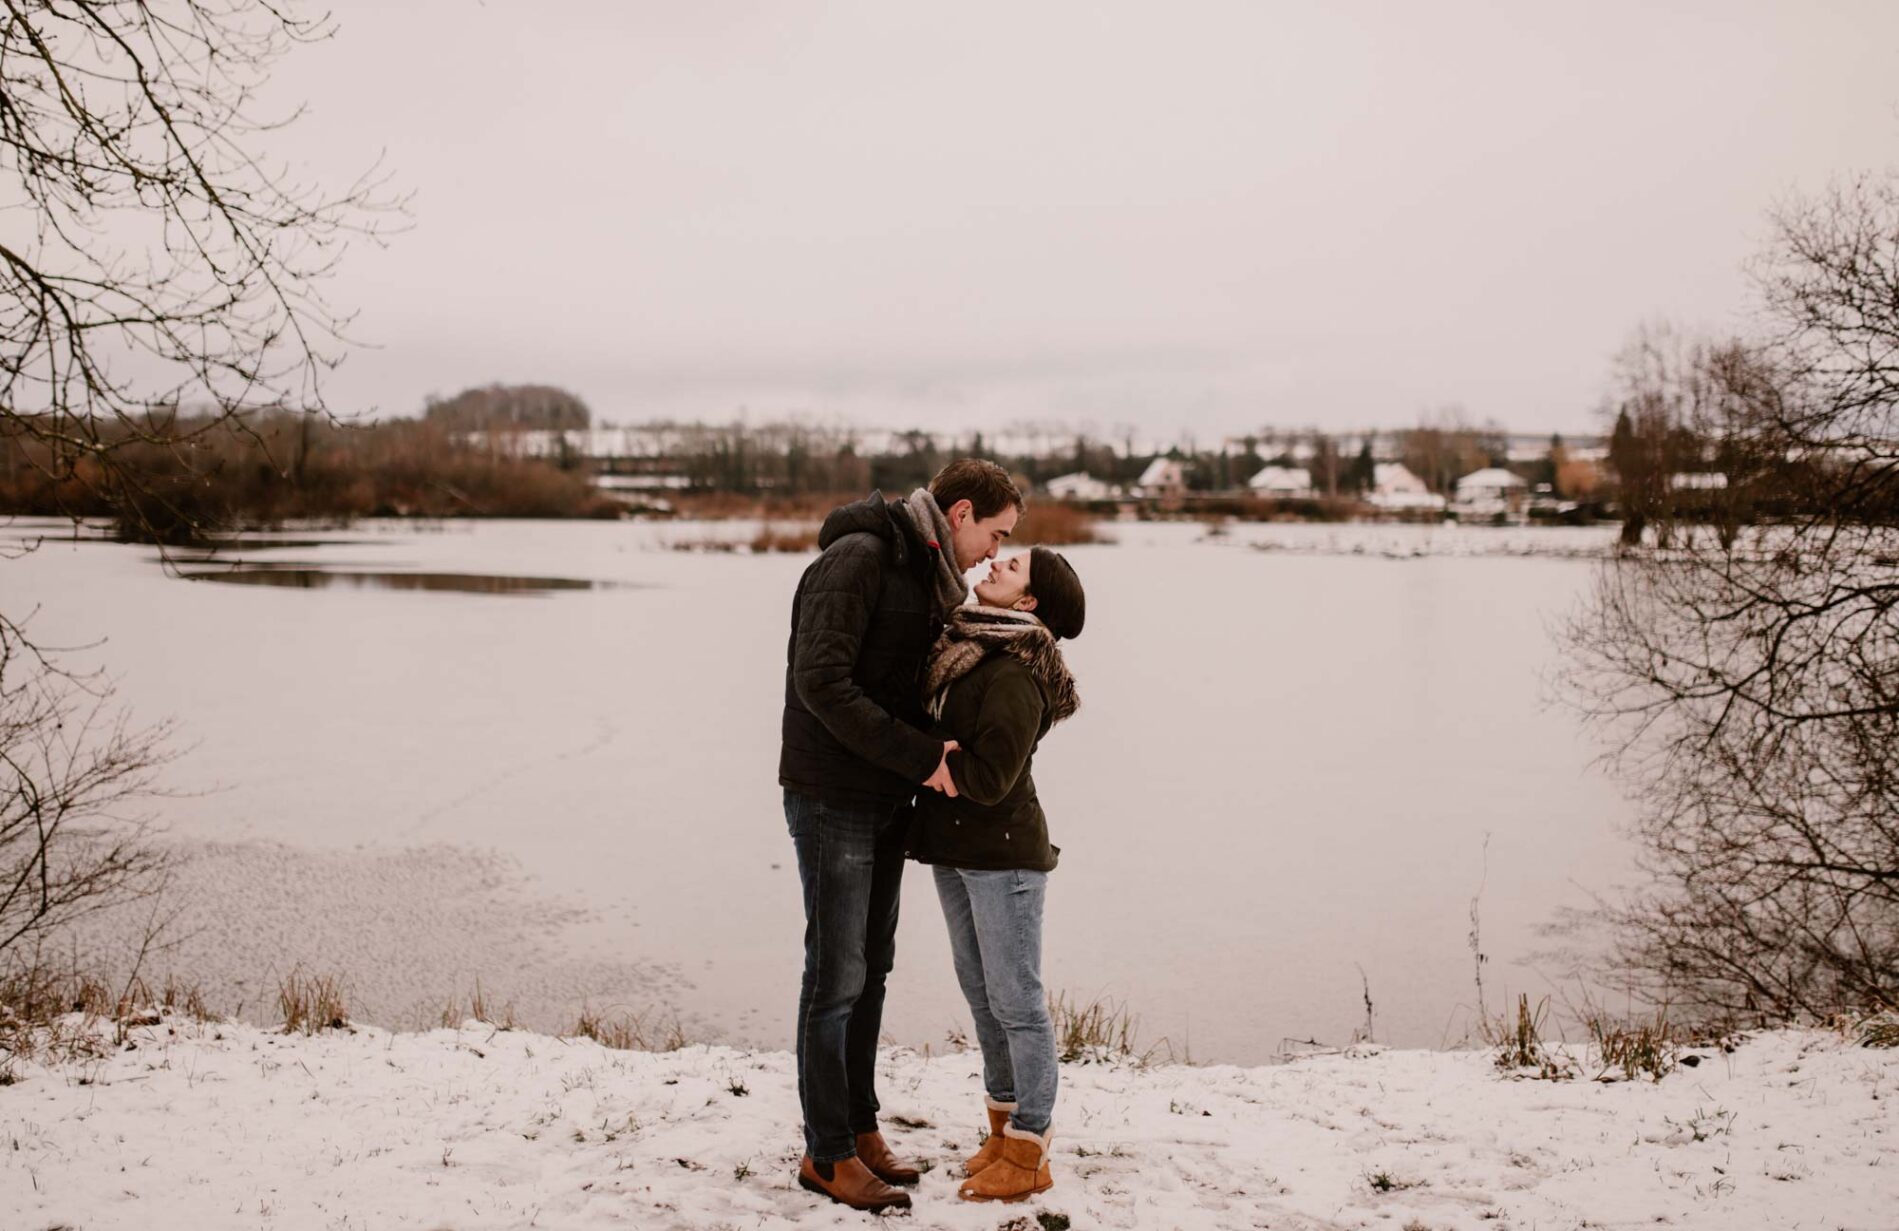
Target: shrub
pixel 1055 525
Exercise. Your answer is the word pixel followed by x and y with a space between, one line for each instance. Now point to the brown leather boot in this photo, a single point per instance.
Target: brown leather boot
pixel 851 1183
pixel 1020 1173
pixel 992 1145
pixel 875 1151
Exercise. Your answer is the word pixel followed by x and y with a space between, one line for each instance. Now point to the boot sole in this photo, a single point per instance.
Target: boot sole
pixel 875 1207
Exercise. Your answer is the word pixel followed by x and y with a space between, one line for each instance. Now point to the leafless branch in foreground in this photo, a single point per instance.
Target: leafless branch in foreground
pixel 164 281
pixel 73 775
pixel 1747 679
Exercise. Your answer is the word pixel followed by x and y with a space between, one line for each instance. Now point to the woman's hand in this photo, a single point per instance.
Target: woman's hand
pixel 941 780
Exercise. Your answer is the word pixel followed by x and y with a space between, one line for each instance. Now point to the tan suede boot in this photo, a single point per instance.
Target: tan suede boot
pixel 992 1145
pixel 1020 1173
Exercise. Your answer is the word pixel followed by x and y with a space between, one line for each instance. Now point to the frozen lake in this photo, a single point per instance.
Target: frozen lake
pixel 1284 771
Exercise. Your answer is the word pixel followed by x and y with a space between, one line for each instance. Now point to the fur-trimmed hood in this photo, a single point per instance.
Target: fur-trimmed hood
pixel 975 633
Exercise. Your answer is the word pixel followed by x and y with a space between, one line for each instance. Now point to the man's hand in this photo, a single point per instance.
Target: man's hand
pixel 941 780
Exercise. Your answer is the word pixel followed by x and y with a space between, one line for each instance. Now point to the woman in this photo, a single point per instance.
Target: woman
pixel 996 684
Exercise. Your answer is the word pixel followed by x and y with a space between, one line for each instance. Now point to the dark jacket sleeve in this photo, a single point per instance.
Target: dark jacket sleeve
pixel 839 596
pixel 987 765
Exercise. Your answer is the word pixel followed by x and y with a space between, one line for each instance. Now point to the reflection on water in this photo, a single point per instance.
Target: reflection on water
pixel 304 578
pixel 258 542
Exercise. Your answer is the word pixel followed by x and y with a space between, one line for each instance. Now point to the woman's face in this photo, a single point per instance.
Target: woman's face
pixel 1007 584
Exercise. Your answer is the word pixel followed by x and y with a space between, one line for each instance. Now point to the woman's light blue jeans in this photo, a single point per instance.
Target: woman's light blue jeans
pixel 995 932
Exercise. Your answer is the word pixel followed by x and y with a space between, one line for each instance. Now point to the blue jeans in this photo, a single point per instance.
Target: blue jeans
pixel 995 932
pixel 851 864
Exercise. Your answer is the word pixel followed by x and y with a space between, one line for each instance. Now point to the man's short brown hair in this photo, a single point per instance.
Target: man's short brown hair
pixel 985 485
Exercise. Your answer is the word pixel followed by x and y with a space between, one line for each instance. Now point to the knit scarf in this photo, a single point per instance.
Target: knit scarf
pixel 934 528
pixel 974 633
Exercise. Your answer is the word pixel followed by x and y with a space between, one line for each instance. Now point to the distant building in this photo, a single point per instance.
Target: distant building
pixel 1164 478
pixel 642 482
pixel 1684 481
pixel 1079 486
pixel 1488 492
pixel 1395 488
pixel 1282 483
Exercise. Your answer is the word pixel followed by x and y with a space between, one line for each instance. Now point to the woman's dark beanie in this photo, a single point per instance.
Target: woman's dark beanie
pixel 1059 601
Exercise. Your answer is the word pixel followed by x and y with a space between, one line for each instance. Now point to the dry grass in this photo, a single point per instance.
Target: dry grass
pixel 795 537
pixel 38 992
pixel 186 998
pixel 50 1014
pixel 1648 1048
pixel 788 538
pixel 1056 525
pixel 1097 1031
pixel 629 1031
pixel 311 1003
pixel 138 1005
pixel 1519 1044
pixel 1881 1030
pixel 736 506
pixel 478 1008
pixel 60 1013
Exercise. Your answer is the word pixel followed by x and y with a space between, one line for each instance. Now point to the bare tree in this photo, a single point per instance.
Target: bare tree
pixel 154 261
pixel 165 263
pixel 1444 447
pixel 1747 676
pixel 1689 409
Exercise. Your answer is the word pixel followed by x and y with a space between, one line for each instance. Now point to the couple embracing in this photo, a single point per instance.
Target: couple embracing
pixel 911 719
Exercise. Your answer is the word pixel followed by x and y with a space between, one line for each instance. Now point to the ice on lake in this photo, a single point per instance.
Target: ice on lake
pixel 1294 745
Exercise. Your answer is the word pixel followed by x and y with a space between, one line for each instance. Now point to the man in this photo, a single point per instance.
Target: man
pixel 855 750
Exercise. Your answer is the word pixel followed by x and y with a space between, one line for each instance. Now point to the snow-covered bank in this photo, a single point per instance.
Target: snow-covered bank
pixel 232 1126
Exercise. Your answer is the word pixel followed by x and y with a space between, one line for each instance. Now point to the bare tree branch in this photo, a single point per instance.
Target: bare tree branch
pixel 1745 674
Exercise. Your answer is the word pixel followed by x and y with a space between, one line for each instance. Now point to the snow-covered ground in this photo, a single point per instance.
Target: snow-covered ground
pixel 206 1127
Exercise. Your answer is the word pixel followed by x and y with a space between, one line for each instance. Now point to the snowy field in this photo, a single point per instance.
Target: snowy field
pixel 1292 764
pixel 213 1127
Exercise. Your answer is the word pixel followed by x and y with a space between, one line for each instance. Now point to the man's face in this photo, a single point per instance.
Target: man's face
pixel 978 540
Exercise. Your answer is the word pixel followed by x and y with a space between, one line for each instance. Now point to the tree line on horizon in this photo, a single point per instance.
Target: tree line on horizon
pixel 179 474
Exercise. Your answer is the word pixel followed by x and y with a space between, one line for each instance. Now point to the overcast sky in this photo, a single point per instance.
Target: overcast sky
pixel 1191 217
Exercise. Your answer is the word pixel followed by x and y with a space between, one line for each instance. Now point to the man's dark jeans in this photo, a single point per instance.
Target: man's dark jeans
pixel 851 863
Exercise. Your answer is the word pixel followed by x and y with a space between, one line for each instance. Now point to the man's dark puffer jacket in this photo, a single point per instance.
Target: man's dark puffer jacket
pixel 862 625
